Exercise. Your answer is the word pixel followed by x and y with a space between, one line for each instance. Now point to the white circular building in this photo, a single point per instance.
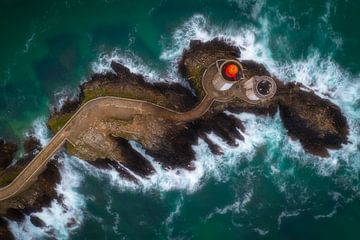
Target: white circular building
pixel 260 88
pixel 229 73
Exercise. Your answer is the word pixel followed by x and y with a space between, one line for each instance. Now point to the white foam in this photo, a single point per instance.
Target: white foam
pixel 61 218
pixel 206 165
pixel 130 60
pixel 179 203
pixel 39 131
pixel 315 71
pixel 29 42
pixel 62 95
pixel 261 232
pixel 198 28
pixel 254 7
pixel 287 214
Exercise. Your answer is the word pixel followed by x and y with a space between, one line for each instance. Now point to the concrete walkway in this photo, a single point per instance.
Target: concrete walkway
pixel 117 108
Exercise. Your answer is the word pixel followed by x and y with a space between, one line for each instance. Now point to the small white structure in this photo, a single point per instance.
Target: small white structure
pixel 260 88
pixel 223 80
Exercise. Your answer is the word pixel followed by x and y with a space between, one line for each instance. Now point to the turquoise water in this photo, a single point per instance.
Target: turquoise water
pixel 266 188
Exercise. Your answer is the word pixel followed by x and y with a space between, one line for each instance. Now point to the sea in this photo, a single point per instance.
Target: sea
pixel 267 187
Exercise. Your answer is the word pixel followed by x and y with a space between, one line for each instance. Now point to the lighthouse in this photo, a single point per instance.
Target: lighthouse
pixel 229 72
pixel 260 88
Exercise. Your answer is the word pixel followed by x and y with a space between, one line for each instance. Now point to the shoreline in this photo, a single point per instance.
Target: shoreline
pixel 214 120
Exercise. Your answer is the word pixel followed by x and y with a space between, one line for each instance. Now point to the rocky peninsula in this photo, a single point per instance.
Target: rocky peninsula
pixel 317 123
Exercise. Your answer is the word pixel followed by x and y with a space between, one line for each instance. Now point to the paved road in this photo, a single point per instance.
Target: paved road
pixel 118 108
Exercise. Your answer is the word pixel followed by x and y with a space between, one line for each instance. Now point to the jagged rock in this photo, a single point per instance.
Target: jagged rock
pixel 36 221
pixel 199 56
pixel 316 122
pixel 7 153
pixel 5 234
pixel 40 194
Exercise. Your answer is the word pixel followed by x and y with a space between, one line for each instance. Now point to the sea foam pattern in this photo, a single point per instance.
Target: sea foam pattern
pixel 319 73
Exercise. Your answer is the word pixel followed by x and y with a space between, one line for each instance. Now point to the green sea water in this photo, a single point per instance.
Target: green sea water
pixel 266 188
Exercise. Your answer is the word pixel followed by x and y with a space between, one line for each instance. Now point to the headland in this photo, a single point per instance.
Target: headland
pixel 166 119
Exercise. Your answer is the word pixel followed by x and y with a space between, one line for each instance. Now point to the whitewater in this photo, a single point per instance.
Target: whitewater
pixel 315 71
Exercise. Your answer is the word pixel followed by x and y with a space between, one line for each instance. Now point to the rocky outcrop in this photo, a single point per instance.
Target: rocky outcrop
pixel 4 231
pixel 7 152
pixel 199 56
pixel 170 143
pixel 317 123
pixel 37 196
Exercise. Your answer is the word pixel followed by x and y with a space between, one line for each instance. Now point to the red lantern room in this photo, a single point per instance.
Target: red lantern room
pixel 232 71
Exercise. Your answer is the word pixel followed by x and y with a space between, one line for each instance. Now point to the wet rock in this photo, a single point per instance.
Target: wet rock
pixel 134 160
pixel 5 234
pixel 69 105
pixel 175 148
pixel 36 221
pixel 214 148
pixel 32 144
pixel 7 153
pixel 199 56
pixel 72 223
pixel 111 164
pixel 317 123
pixel 33 199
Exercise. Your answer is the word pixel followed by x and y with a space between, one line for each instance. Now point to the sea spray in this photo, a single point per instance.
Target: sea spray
pixel 135 64
pixel 64 214
pixel 313 70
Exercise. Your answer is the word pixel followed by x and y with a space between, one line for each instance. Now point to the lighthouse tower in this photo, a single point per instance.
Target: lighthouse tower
pixel 229 72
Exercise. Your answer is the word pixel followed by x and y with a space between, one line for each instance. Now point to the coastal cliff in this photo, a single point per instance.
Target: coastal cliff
pixel 317 123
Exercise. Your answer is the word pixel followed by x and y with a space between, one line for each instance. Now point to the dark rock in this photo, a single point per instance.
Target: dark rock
pixel 175 150
pixel 32 144
pixel 111 164
pixel 214 148
pixel 316 122
pixel 5 234
pixel 36 221
pixel 134 160
pixel 252 68
pixel 15 214
pixel 199 56
pixel 71 223
pixel 33 199
pixel 7 153
pixel 205 53
pixel 70 105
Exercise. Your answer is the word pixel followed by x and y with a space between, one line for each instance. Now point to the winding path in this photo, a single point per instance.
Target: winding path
pixel 118 108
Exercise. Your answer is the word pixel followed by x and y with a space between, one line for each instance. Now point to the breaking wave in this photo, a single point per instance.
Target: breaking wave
pixel 63 216
pixel 134 63
pixel 319 73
